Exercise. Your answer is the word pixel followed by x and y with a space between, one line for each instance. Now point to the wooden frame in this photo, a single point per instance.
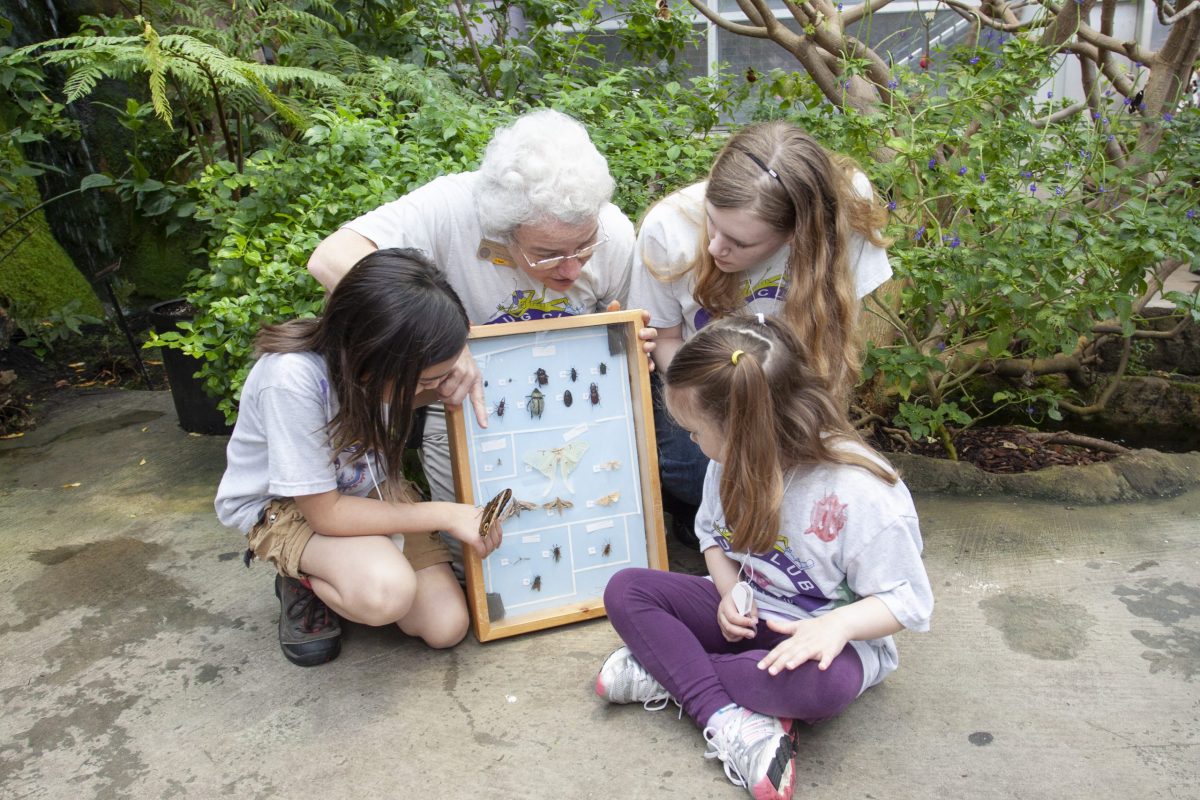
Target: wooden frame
pixel 571 433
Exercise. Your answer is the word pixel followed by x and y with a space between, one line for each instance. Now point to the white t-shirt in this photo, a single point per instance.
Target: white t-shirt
pixel 843 535
pixel 441 218
pixel 668 241
pixel 280 446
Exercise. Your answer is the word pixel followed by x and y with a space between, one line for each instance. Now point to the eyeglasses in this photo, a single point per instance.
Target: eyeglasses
pixel 583 255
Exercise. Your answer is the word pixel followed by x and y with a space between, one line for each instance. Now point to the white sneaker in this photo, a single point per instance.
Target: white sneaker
pixel 623 679
pixel 757 751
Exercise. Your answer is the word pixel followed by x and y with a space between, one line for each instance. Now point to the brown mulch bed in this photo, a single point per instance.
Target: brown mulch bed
pixel 1010 449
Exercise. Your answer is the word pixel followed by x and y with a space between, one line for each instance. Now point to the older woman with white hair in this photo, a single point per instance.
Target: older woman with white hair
pixel 531 234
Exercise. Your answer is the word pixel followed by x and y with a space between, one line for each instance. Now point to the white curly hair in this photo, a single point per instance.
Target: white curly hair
pixel 543 167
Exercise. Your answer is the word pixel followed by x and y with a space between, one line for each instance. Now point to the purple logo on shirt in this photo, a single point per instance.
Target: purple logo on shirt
pixel 524 305
pixel 769 289
pixel 808 596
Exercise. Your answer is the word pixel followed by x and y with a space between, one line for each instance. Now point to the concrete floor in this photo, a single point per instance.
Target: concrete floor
pixel 138 658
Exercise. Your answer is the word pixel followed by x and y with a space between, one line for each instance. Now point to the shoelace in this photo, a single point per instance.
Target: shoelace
pixel 315 613
pixel 733 741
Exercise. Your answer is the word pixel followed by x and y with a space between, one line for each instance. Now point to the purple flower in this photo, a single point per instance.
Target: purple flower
pixel 1026 174
pixel 920 234
pixel 839 6
pixel 892 84
pixel 983 177
pixel 1032 188
pixel 1095 115
pixel 1102 189
pixel 1059 191
pixel 1111 137
pixel 1049 95
pixel 962 171
pixel 933 163
pixel 1191 213
pixel 1168 117
pixel 974 60
pixel 1029 410
pixel 955 242
pixel 941 347
pixel 892 206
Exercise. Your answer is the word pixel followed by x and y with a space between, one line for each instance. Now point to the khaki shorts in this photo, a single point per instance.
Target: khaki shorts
pixel 282 533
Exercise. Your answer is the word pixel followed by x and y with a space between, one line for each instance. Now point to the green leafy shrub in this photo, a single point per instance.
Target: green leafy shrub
pixel 1019 244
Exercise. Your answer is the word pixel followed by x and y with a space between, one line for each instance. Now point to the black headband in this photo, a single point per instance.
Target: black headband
pixel 763 166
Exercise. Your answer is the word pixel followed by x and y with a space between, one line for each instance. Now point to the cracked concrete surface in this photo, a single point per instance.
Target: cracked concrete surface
pixel 138 658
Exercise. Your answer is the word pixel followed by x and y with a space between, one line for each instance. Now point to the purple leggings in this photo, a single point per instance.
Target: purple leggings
pixel 669 622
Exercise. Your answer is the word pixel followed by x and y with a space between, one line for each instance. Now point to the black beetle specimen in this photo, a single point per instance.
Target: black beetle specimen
pixel 574 375
pixel 593 394
pixel 603 368
pixel 541 376
pixel 500 408
pixel 537 403
pixel 567 398
pixel 607 551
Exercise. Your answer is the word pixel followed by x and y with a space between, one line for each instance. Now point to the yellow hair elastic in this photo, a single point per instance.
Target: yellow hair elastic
pixel 735 355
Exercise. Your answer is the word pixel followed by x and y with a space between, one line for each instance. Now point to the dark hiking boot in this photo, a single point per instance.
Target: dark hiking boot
pixel 309 632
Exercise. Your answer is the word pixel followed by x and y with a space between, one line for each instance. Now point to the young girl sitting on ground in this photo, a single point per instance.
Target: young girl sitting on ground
pixel 811 542
pixel 324 417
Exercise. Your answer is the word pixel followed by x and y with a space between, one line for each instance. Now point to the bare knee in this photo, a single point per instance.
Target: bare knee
pixel 381 598
pixel 447 630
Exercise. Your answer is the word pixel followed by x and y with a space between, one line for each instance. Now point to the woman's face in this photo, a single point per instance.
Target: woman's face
pixel 565 247
pixel 738 240
pixel 432 375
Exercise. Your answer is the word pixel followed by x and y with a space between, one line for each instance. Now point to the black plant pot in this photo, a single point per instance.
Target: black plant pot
pixel 196 408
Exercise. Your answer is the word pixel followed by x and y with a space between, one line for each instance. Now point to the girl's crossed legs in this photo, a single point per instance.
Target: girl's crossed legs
pixel 367 579
pixel 669 622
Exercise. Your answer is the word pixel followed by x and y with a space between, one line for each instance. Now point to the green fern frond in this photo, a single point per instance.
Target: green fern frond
pixel 156 66
pixel 82 81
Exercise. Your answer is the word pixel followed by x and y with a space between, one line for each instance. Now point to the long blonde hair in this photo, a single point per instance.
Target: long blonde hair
pixel 784 177
pixel 776 411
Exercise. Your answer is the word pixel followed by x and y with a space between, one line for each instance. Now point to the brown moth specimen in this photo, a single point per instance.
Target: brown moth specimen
pixel 608 499
pixel 558 505
pixel 495 510
pixel 518 506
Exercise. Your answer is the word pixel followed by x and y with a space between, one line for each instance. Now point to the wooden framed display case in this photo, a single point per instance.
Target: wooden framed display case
pixel 571 434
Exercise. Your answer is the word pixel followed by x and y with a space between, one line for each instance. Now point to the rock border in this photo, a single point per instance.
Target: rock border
pixel 1138 475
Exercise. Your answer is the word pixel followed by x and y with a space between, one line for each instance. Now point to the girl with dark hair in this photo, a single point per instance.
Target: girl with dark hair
pixel 314 463
pixel 811 543
pixel 781 227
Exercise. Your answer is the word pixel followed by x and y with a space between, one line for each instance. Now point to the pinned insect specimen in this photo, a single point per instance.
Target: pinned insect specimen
pixel 608 499
pixel 537 403
pixel 518 506
pixel 541 377
pixel 609 466
pixel 500 408
pixel 494 511
pixel 537 583
pixel 574 375
pixel 567 398
pixel 593 394
pixel 607 551
pixel 550 462
pixel 558 505
pixel 603 368
pixel 556 551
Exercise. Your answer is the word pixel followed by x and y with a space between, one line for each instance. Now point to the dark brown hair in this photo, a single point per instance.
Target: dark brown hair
pixel 777 414
pixel 390 317
pixel 812 198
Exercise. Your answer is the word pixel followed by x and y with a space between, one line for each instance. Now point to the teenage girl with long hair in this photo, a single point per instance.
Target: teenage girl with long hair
pixel 314 473
pixel 782 227
pixel 812 547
